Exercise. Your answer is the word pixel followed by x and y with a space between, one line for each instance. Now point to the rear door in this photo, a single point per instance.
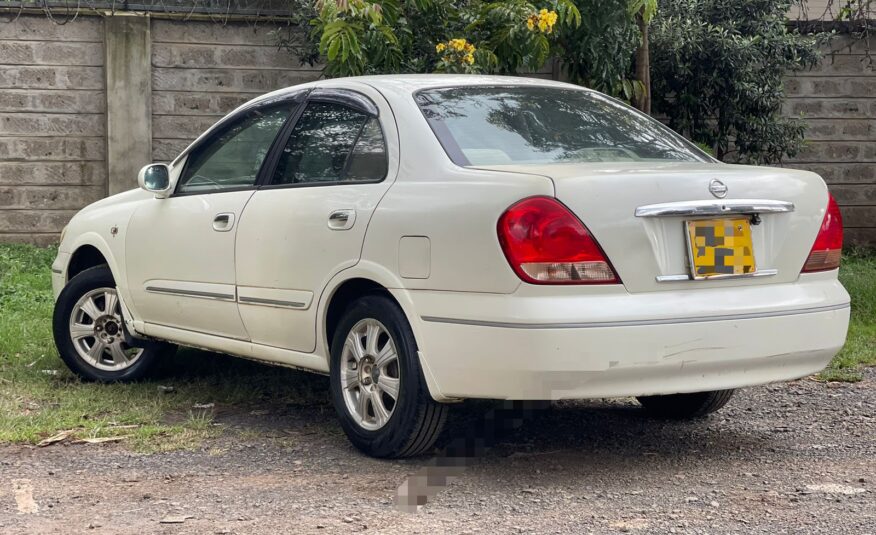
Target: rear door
pixel 307 221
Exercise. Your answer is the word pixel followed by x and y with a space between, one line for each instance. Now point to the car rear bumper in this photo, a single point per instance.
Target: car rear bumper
pixel 605 345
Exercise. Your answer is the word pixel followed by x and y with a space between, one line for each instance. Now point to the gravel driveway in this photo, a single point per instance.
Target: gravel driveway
pixel 786 458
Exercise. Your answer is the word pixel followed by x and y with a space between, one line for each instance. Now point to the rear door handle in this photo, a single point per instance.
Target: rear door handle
pixel 223 222
pixel 342 219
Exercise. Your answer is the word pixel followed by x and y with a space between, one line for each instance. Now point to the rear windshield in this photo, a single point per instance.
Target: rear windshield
pixel 483 125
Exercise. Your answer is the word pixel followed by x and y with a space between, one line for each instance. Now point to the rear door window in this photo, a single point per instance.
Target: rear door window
pixel 332 143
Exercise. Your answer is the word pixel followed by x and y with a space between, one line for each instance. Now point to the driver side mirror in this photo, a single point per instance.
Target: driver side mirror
pixel 155 178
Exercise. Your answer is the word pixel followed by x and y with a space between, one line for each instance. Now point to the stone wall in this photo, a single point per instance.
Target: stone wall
pixel 52 125
pixel 838 101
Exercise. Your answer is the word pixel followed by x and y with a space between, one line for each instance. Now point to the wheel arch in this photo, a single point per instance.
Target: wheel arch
pixel 84 257
pixel 368 277
pixel 342 296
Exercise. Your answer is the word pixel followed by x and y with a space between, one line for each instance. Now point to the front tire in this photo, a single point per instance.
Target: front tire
pixel 685 406
pixel 88 329
pixel 377 384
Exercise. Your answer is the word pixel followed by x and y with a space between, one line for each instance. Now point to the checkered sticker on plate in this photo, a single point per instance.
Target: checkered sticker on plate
pixel 720 247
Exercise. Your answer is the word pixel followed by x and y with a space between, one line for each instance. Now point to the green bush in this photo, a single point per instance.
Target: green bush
pixel 717 74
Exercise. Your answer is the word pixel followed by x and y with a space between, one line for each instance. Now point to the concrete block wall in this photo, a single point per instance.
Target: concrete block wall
pixel 838 101
pixel 52 125
pixel 202 71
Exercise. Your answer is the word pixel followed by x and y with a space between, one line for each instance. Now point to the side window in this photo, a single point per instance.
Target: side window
pixel 332 143
pixel 232 158
pixel 368 160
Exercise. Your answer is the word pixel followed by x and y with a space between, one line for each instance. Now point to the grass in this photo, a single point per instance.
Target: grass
pixel 39 397
pixel 858 275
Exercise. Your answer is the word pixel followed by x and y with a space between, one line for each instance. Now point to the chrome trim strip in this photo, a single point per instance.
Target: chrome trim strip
pixel 714 208
pixel 633 323
pixel 190 293
pixel 270 302
pixel 685 277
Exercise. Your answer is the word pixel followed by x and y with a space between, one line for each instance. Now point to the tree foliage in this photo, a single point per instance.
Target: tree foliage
pixel 355 37
pixel 717 74
pixel 599 53
pixel 593 40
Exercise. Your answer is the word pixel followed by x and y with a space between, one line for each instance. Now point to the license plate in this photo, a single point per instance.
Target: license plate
pixel 720 248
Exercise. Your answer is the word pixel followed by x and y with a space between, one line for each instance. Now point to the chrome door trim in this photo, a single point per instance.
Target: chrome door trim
pixel 684 277
pixel 270 302
pixel 714 208
pixel 190 293
pixel 637 323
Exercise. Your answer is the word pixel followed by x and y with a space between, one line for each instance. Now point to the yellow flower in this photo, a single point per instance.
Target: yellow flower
pixel 440 47
pixel 469 58
pixel 457 44
pixel 544 20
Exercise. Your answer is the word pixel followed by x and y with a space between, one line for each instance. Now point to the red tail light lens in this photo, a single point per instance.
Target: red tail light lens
pixel 546 244
pixel 826 252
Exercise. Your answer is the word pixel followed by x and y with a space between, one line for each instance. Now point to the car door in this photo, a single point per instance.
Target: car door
pixel 180 250
pixel 307 222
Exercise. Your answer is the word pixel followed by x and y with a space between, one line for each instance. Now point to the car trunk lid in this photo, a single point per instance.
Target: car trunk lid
pixel 651 251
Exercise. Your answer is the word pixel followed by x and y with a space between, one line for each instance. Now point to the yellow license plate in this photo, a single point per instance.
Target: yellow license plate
pixel 720 247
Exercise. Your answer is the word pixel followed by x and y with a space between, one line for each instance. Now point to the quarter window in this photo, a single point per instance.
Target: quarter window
pixel 332 143
pixel 233 157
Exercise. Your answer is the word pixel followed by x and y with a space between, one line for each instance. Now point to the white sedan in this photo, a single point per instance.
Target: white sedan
pixel 426 239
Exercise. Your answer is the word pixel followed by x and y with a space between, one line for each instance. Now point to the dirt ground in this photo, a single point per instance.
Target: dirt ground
pixel 785 458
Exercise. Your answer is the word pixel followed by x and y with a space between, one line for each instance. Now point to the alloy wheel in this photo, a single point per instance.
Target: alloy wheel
pixel 370 375
pixel 96 331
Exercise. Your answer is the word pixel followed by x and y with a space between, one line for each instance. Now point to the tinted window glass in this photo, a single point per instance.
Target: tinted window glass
pixel 321 147
pixel 232 158
pixel 519 125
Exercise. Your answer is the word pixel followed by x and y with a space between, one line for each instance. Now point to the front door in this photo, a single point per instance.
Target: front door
pixel 308 221
pixel 180 250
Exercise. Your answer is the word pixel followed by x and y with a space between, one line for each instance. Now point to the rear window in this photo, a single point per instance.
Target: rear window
pixel 482 125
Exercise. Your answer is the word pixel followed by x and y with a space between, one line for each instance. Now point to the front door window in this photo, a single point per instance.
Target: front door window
pixel 232 158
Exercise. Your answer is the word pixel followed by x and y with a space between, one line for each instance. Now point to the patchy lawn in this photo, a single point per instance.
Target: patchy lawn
pixel 39 397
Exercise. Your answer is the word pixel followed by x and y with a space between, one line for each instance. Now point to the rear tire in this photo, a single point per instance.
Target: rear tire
pixel 684 406
pixel 88 329
pixel 373 357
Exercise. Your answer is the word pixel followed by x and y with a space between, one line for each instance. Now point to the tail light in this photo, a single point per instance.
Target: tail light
pixel 826 252
pixel 546 244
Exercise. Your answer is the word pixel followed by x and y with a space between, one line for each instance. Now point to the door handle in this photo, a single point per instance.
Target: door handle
pixel 223 222
pixel 342 219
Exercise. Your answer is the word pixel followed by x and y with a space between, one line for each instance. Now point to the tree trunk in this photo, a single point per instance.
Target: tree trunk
pixel 643 67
